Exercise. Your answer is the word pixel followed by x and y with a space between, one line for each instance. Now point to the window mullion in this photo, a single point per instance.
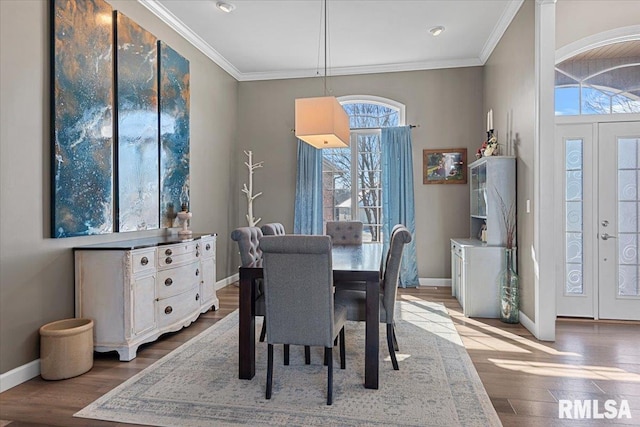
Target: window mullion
pixel 354 176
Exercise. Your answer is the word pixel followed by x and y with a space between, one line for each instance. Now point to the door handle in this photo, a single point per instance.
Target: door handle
pixel 607 236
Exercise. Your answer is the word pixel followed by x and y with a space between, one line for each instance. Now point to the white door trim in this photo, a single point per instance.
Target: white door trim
pixel 604 38
pixel 543 249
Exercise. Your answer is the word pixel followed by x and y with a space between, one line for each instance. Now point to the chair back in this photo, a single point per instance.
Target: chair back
pixel 248 239
pixel 298 279
pixel 400 236
pixel 273 229
pixel 345 232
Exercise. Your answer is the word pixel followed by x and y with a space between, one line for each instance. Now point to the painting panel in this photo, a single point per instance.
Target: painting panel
pixel 81 118
pixel 137 127
pixel 444 166
pixel 174 131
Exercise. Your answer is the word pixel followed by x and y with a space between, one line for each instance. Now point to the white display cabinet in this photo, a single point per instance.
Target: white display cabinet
pixel 476 264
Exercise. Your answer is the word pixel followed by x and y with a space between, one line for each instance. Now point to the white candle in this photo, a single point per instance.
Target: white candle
pixel 490 119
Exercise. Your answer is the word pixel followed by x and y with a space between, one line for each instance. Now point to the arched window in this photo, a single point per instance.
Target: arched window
pixel 603 80
pixel 351 177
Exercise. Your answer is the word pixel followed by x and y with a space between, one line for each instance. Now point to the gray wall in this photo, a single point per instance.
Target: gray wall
pixel 36 272
pixel 447 104
pixel 509 87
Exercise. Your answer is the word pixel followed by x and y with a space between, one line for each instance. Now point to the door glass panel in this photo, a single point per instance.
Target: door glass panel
pixel 573 217
pixel 627 233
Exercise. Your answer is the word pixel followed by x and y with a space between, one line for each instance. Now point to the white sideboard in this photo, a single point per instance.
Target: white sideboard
pixel 136 290
pixel 475 271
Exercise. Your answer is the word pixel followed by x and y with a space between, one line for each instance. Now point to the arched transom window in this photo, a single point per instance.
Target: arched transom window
pixel 603 80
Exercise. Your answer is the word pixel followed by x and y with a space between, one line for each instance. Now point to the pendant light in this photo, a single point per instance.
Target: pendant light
pixel 321 121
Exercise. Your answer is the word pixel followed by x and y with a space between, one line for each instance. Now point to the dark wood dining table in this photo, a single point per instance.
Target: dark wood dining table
pixel 351 263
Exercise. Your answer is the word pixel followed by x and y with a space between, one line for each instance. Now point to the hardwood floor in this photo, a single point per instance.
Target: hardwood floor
pixel 524 377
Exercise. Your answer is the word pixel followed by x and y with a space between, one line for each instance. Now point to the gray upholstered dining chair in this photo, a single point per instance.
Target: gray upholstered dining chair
pixel 273 229
pixel 299 299
pixel 345 232
pixel 355 299
pixel 248 239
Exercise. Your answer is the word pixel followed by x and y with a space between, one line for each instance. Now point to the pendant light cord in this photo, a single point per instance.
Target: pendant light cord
pixel 325 47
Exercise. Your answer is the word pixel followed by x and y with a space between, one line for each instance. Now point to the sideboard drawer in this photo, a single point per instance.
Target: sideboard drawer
pixel 174 281
pixel 177 307
pixel 206 247
pixel 175 250
pixel 170 256
pixel 143 261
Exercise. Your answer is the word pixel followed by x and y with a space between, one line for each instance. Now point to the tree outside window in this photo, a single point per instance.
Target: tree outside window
pixel 352 188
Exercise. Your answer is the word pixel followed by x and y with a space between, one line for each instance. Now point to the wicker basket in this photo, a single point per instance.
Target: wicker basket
pixel 66 348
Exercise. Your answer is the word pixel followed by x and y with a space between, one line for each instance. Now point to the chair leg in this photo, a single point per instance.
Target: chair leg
pixel 392 352
pixel 326 358
pixel 263 332
pixel 286 354
pixel 307 355
pixel 343 361
pixel 269 369
pixel 395 339
pixel 328 355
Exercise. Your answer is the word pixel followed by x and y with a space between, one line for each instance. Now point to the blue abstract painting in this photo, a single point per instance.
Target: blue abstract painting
pixel 82 118
pixel 137 132
pixel 174 131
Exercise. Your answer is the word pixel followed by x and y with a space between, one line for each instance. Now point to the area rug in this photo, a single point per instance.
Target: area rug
pixel 197 384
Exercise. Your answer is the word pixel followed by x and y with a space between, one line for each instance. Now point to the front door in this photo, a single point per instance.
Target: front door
pixel 618 226
pixel 599 208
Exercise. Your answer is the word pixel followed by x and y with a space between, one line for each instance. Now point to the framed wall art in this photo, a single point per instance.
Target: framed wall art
pixel 137 127
pixel 174 131
pixel 119 123
pixel 82 181
pixel 444 166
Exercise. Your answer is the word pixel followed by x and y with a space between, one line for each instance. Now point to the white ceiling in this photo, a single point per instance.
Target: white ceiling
pixel 272 39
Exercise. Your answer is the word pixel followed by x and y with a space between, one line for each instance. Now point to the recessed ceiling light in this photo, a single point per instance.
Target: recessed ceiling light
pixel 436 31
pixel 225 7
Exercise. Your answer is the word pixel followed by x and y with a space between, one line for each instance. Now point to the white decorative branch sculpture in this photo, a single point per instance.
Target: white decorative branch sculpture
pixel 249 191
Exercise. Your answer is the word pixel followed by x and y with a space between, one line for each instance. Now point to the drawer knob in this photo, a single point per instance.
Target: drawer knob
pixel 144 260
pixel 197 297
pixel 168 260
pixel 168 309
pixel 197 271
pixel 208 247
pixel 168 252
pixel 168 282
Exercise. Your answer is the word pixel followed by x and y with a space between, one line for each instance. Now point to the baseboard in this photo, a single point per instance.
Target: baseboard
pixel 226 282
pixel 435 282
pixel 527 323
pixel 19 375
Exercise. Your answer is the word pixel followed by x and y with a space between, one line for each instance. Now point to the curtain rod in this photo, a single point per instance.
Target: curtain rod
pixel 375 128
pixel 411 126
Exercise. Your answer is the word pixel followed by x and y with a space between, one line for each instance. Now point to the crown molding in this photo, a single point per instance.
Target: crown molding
pixel 369 69
pixel 172 21
pixel 155 7
pixel 498 31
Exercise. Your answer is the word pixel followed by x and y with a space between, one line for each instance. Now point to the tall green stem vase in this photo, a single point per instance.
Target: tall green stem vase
pixel 509 290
